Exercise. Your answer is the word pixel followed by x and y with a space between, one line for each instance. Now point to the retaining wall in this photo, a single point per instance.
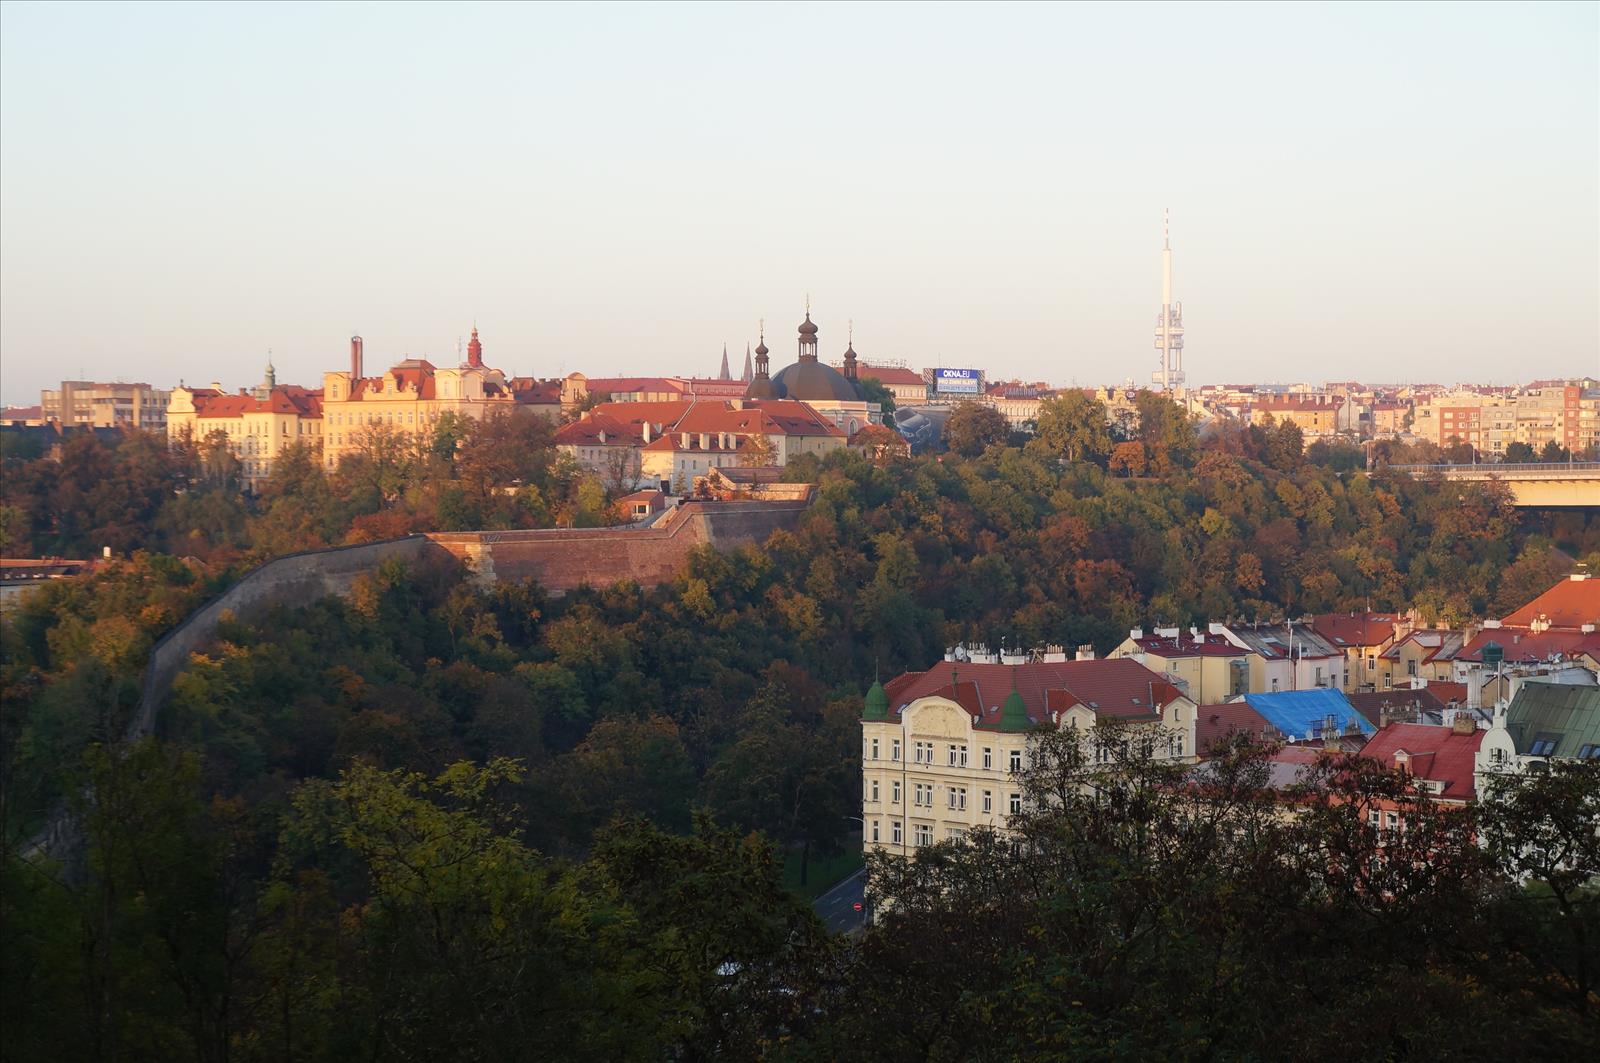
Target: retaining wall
pixel 559 559
pixel 563 559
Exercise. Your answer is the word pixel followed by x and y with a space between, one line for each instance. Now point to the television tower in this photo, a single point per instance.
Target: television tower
pixel 1169 324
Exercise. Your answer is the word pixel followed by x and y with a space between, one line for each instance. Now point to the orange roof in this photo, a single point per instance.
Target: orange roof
pixel 1118 688
pixel 1573 602
pixel 1355 629
pixel 286 398
pixel 1213 723
pixel 1436 754
pixel 890 374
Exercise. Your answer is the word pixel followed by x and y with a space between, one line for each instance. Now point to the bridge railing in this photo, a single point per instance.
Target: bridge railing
pixel 1512 469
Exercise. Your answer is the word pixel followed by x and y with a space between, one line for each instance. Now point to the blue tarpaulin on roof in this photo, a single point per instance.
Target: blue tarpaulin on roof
pixel 1301 714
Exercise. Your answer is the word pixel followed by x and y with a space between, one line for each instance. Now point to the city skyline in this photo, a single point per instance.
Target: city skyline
pixel 625 194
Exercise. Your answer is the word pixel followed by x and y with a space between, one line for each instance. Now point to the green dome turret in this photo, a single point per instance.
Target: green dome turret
pixel 877 703
pixel 1014 714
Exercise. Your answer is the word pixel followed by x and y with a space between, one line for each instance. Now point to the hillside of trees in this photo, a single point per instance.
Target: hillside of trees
pixel 432 820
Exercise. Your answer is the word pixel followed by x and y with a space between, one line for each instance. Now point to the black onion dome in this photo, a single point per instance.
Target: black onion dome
pixel 811 381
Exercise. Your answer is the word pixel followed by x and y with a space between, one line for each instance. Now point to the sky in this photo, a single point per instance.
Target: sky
pixel 1389 193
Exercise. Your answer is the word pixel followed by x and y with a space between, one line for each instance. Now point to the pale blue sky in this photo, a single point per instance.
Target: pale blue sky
pixel 1376 192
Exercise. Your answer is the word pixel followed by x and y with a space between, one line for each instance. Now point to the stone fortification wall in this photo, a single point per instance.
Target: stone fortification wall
pixel 294 579
pixel 289 580
pixel 559 559
pixel 563 559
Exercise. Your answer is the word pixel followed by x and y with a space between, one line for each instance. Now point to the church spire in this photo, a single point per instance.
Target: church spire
pixel 748 374
pixel 475 350
pixel 808 336
pixel 724 374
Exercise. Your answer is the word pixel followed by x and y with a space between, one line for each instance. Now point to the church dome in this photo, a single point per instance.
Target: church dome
pixel 807 328
pixel 810 381
pixel 760 388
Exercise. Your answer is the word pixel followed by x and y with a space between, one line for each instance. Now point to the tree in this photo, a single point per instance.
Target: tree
pixel 1519 452
pixel 874 390
pixel 1072 425
pixel 1553 452
pixel 1540 830
pixel 758 450
pixel 973 427
pixel 1127 459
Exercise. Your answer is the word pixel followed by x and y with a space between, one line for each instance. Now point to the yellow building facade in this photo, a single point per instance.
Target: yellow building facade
pixel 258 427
pixel 407 400
pixel 943 751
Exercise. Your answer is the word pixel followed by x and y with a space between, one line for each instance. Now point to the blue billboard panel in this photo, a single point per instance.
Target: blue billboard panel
pixel 956 381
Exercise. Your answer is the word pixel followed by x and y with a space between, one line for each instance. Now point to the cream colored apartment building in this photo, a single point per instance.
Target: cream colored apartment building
pixel 258 426
pixel 942 750
pixel 408 399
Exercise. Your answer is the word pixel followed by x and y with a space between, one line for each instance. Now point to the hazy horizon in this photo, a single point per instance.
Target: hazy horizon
pixel 1390 194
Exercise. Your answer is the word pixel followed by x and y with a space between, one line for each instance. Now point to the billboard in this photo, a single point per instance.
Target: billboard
pixel 957 381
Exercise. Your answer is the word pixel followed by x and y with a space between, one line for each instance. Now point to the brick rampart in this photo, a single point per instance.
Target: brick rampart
pixel 563 559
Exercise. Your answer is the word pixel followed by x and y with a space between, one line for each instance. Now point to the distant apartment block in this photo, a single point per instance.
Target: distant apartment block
pixel 86 403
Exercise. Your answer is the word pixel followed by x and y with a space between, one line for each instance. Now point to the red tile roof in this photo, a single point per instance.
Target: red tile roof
pixel 1437 754
pixel 1374 704
pixel 627 385
pixel 890 374
pixel 1355 629
pixel 1188 646
pixel 1525 647
pixel 1216 722
pixel 1117 688
pixel 286 398
pixel 1570 604
pixel 528 391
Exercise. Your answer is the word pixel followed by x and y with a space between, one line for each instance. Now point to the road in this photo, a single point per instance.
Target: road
pixel 837 907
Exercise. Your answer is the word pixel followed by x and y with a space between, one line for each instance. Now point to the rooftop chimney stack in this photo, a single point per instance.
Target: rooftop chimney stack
pixel 355 358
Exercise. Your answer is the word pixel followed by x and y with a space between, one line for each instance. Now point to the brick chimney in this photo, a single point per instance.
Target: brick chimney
pixel 355 358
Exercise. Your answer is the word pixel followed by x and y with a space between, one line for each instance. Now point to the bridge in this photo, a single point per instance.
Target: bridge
pixel 1534 485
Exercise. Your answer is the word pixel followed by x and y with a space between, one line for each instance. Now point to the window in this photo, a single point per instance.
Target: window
pixel 1274 684
pixel 924 834
pixel 961 753
pixel 952 752
pixel 894 792
pixel 1016 803
pixel 1391 820
pixel 1543 747
pixel 957 834
pixel 950 796
pixel 894 750
pixel 960 798
pixel 1411 668
pixel 874 749
pixel 874 797
pixel 894 832
pixel 1589 752
pixel 988 758
pixel 1372 819
pixel 874 830
pixel 1016 761
pixel 988 800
